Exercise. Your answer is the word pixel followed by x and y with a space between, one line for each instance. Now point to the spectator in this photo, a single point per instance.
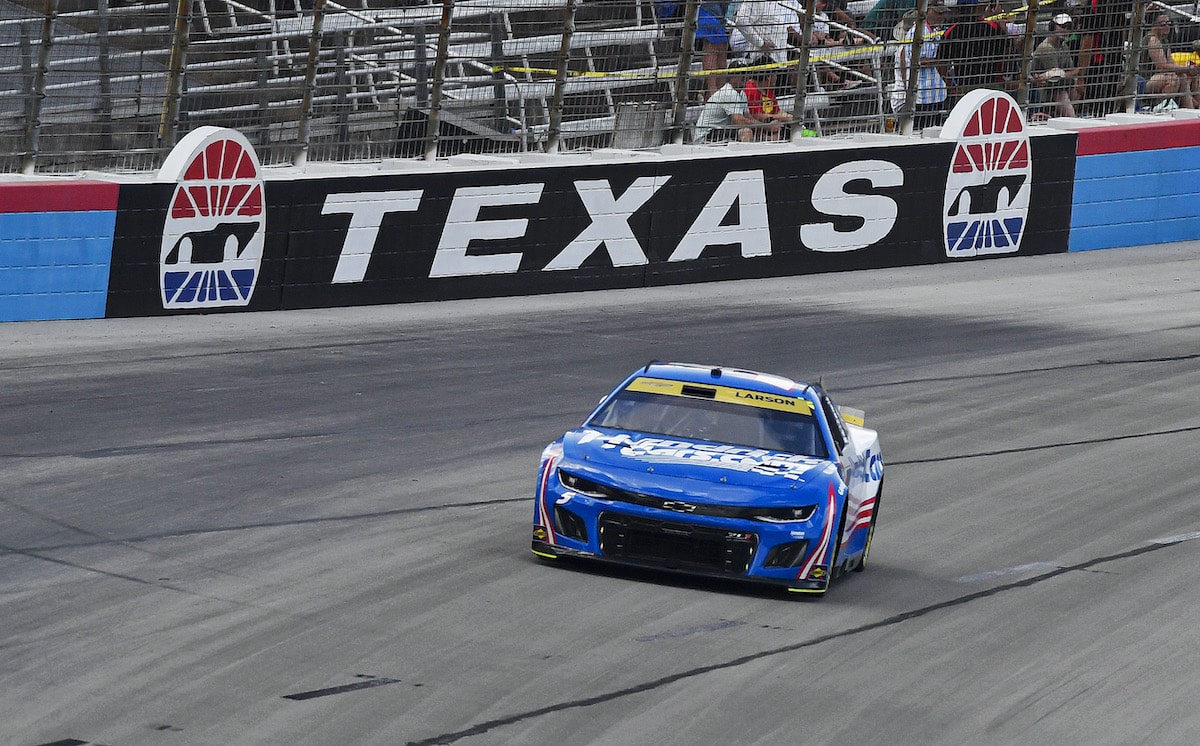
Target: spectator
pixel 827 76
pixel 930 102
pixel 1166 80
pixel 1104 31
pixel 761 28
pixel 1073 8
pixel 978 50
pixel 712 41
pixel 666 8
pixel 845 31
pixel 1053 75
pixel 885 14
pixel 899 86
pixel 837 12
pixel 726 114
pixel 762 104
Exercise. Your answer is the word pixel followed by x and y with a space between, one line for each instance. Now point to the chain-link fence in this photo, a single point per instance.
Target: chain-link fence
pixel 113 84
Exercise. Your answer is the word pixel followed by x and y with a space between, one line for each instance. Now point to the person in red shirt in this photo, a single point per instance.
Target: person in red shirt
pixel 774 123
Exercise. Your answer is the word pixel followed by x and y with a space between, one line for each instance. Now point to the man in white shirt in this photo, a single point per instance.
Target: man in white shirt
pixel 761 26
pixel 726 114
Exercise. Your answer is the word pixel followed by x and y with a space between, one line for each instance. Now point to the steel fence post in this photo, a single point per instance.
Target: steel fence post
pixel 432 129
pixel 174 91
pixel 914 70
pixel 304 126
pixel 1129 89
pixel 105 70
pixel 560 77
pixel 37 92
pixel 683 69
pixel 800 103
pixel 1027 47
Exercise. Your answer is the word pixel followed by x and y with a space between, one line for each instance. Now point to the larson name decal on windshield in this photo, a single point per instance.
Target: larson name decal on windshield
pixel 739 458
pixel 758 398
pixel 729 394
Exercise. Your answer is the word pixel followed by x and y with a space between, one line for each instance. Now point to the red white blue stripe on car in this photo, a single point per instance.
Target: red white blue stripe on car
pixel 863 518
pixel 548 468
pixel 818 556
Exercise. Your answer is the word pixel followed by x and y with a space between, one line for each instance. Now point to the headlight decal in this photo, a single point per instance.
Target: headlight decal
pixel 583 486
pixel 785 515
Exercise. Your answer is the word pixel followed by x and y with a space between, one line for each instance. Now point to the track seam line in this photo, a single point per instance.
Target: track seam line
pixel 484 727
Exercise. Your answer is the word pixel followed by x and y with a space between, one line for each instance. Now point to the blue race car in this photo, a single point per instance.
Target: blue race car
pixel 714 471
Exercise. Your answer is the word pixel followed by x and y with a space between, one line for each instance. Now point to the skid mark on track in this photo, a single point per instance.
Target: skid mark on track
pixel 686 631
pixel 346 518
pixel 1023 371
pixel 368 682
pixel 648 686
pixel 1046 447
pixel 1177 539
pixel 1018 570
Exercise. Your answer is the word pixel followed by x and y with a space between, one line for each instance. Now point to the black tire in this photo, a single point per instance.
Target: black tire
pixel 835 569
pixel 862 562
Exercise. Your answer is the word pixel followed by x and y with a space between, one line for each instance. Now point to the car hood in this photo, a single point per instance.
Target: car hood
pixel 708 472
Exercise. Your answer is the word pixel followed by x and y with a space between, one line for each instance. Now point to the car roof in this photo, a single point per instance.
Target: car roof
pixel 725 376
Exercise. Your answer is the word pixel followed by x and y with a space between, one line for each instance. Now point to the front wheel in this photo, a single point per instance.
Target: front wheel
pixel 835 568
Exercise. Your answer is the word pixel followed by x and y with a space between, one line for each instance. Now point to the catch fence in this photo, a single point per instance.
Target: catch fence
pixel 113 84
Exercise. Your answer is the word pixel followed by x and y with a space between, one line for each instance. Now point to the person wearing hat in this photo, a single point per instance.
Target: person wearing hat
pixel 905 24
pixel 1166 79
pixel 898 88
pixel 1053 75
pixel 726 114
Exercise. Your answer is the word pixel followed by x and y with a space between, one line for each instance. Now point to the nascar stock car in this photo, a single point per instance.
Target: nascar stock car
pixel 714 471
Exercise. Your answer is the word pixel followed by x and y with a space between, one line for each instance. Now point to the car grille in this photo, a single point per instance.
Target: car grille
pixel 676 546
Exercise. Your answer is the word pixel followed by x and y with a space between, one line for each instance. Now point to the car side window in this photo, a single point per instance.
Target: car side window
pixel 835 423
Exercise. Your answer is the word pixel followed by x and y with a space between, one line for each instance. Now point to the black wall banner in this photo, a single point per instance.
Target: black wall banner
pixel 219 237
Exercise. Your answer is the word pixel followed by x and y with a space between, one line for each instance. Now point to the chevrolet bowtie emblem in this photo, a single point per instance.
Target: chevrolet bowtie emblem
pixel 678 506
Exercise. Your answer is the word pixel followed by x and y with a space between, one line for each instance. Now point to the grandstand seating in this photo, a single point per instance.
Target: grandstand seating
pixel 106 90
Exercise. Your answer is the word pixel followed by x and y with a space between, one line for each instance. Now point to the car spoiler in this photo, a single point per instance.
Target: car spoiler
pixel 853 416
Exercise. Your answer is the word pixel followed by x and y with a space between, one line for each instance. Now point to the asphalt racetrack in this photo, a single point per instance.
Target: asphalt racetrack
pixel 313 527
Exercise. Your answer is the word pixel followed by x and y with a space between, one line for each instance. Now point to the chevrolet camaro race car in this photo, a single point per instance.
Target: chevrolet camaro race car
pixel 714 471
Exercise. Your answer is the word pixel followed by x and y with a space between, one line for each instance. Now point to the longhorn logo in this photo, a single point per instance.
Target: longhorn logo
pixel 986 203
pixel 212 242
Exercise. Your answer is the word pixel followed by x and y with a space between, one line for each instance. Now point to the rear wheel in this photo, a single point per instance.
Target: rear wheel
pixel 862 562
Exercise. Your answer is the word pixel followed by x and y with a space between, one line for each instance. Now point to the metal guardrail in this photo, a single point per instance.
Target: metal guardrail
pixel 112 84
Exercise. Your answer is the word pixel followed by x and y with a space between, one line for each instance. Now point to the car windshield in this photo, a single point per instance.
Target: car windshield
pixel 715 421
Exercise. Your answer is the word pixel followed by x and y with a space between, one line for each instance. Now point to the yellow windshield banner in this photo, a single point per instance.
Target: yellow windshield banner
pixel 728 394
